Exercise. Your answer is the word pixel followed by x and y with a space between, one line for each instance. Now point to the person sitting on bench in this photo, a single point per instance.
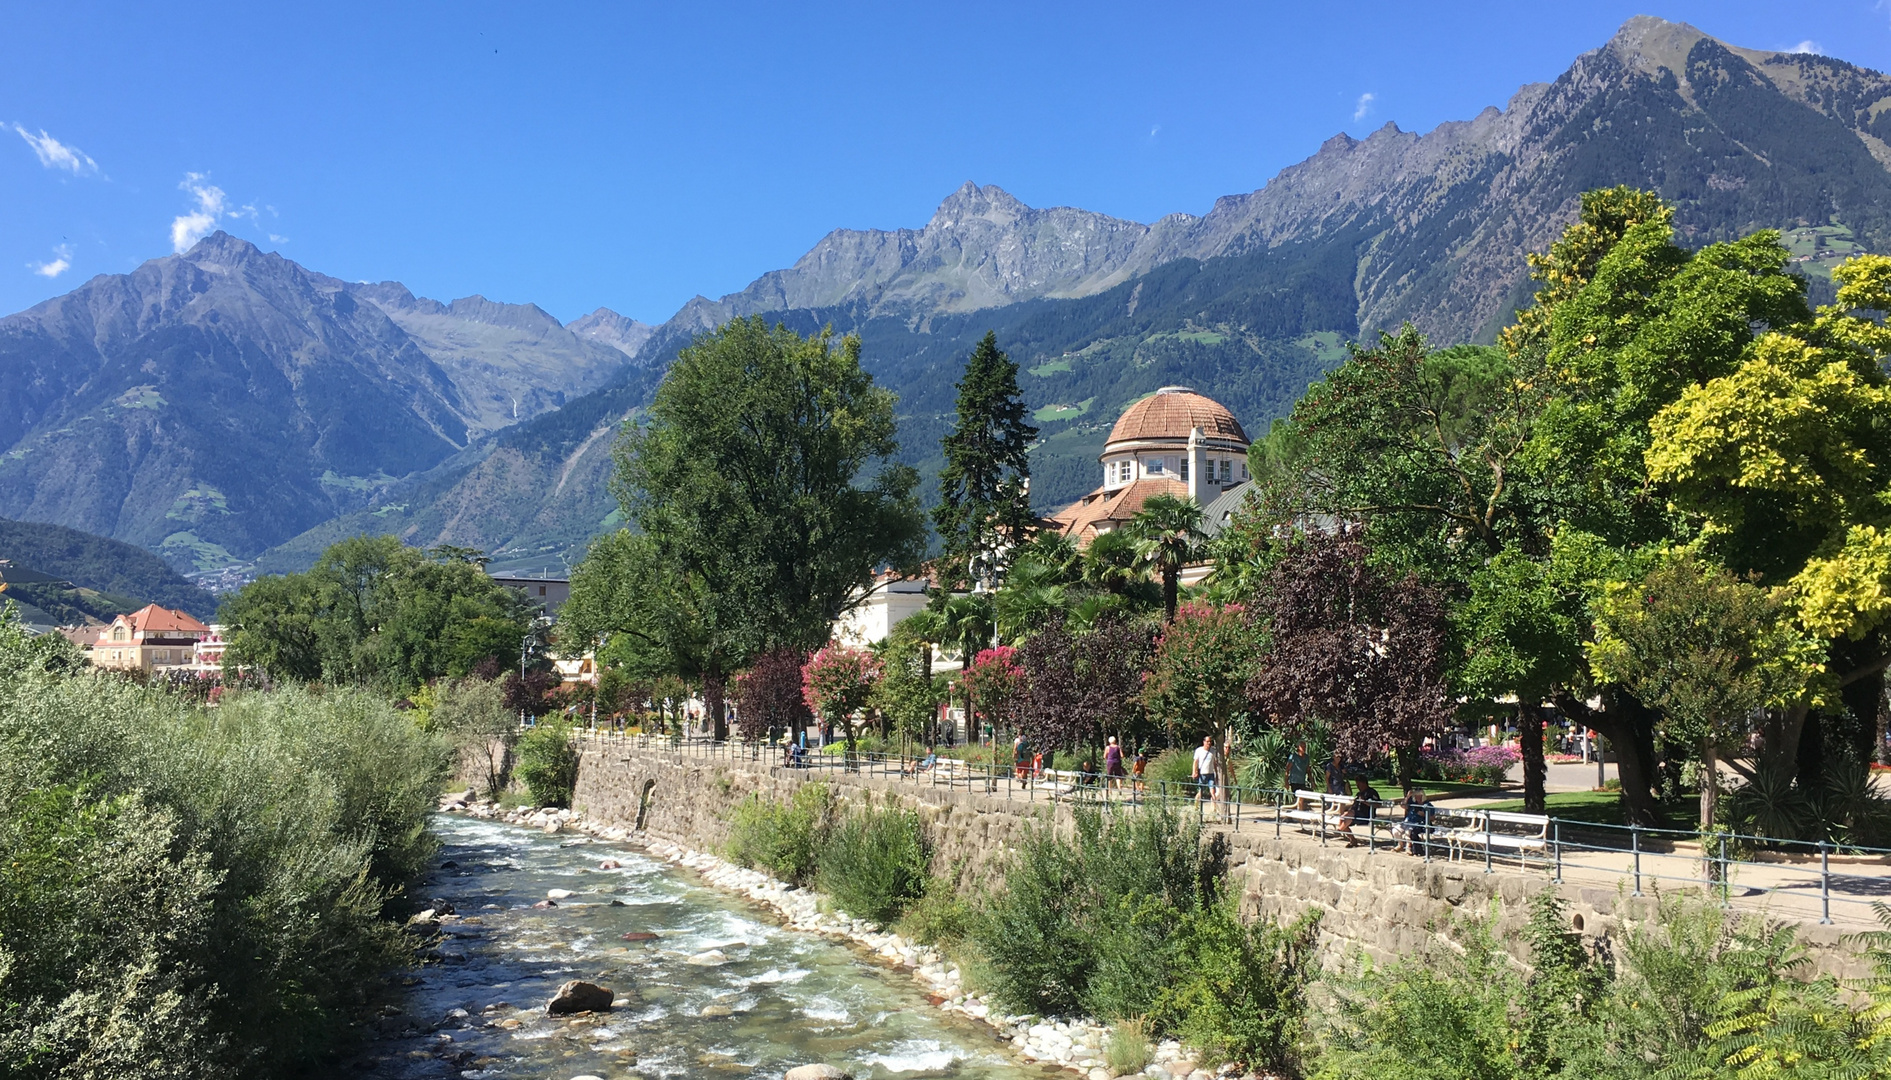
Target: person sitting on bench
pixel 1364 799
pixel 1411 829
pixel 924 764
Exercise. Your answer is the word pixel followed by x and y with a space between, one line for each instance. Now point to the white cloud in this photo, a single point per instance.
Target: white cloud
pixel 1365 105
pixel 1808 46
pixel 1154 130
pixel 60 263
pixel 212 206
pixel 57 155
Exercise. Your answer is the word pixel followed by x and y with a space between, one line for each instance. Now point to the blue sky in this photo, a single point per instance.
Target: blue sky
pixel 631 156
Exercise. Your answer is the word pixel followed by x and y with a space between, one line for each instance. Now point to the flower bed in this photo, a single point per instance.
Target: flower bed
pixel 1485 765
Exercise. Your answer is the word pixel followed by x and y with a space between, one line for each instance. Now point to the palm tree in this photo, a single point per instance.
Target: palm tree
pixel 1169 531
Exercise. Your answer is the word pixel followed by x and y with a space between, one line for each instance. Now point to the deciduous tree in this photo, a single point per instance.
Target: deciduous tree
pixel 1358 648
pixel 1200 669
pixel 1079 687
pixel 837 682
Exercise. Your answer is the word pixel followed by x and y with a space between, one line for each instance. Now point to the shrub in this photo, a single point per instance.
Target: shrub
pixel 1090 923
pixel 193 892
pixel 873 862
pixel 940 916
pixel 782 839
pixel 1240 990
pixel 548 763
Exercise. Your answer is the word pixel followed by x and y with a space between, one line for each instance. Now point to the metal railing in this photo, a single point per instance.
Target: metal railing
pixel 1808 880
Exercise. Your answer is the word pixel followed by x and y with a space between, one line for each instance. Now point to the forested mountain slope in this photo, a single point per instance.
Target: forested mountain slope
pixel 211 404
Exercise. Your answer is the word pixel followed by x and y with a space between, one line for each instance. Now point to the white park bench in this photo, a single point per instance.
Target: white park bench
pixel 1501 833
pixel 1318 811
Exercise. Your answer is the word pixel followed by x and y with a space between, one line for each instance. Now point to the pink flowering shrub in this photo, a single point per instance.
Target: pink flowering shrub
pixel 1486 765
pixel 994 682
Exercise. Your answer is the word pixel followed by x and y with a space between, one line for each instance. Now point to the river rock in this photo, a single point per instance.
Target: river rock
pixel 710 959
pixel 713 1012
pixel 579 996
pixel 816 1072
pixel 559 894
pixel 546 904
pixel 640 935
pixel 610 864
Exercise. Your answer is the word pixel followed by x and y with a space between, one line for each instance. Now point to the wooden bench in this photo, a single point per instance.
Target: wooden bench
pixel 1501 832
pixel 1317 810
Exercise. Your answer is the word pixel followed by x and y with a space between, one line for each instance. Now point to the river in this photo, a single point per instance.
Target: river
pixel 781 998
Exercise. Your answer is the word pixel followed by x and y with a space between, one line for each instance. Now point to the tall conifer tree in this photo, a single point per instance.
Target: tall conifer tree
pixel 984 490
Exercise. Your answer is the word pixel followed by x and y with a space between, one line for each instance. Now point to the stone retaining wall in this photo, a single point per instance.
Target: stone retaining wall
pixel 1383 903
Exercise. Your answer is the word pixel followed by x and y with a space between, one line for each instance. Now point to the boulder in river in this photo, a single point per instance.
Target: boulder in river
pixel 546 904
pixel 580 996
pixel 559 894
pixel 708 959
pixel 640 935
pixel 816 1072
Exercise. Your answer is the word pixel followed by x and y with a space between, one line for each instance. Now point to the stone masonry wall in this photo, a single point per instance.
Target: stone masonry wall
pixel 1382 903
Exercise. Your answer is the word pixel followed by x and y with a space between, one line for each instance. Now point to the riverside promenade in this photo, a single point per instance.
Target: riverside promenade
pixel 1375 895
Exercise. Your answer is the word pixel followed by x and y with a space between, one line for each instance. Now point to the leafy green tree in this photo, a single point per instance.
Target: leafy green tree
pixel 907 695
pixel 1168 530
pixel 1198 676
pixel 1707 649
pixel 648 619
pixel 375 612
pixel 984 508
pixel 763 482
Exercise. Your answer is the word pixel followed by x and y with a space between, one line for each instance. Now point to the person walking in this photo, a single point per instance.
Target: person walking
pixel 1202 771
pixel 1113 763
pixel 1297 768
pixel 1021 757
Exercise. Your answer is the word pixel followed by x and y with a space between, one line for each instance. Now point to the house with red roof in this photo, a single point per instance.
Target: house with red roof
pixel 150 638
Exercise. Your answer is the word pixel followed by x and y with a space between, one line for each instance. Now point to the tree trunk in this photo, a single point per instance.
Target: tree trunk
pixel 1530 734
pixel 1629 728
pixel 1710 783
pixel 712 694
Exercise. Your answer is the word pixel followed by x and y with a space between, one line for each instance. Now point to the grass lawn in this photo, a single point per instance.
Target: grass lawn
pixel 1599 808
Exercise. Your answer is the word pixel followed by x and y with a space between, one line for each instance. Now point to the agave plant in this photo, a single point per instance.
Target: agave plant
pixel 1770 805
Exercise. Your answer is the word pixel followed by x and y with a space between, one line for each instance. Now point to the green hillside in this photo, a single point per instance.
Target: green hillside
pixel 111 576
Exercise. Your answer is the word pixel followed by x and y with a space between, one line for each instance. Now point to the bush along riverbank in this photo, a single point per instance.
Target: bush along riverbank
pixel 1126 919
pixel 195 892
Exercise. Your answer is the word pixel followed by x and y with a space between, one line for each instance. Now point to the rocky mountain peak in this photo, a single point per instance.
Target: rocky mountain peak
pixel 607 327
pixel 990 203
pixel 220 250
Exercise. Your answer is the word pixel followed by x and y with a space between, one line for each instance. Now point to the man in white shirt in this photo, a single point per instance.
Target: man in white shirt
pixel 1204 770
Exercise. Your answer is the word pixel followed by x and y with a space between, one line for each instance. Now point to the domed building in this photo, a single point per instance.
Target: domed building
pixel 1175 442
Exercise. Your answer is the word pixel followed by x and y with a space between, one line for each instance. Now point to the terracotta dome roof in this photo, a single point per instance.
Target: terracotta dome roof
pixel 1170 412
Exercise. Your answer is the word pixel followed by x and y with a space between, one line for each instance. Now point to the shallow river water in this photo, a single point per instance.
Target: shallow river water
pixel 780 999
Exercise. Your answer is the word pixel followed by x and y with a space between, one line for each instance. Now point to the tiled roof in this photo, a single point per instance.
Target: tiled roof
pixel 1112 507
pixel 1170 413
pixel 152 619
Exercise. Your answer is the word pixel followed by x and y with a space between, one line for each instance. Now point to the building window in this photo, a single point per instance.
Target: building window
pixel 1126 471
pixel 1153 468
pixel 1244 470
pixel 1185 470
pixel 1227 470
pixel 118 633
pixel 541 590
